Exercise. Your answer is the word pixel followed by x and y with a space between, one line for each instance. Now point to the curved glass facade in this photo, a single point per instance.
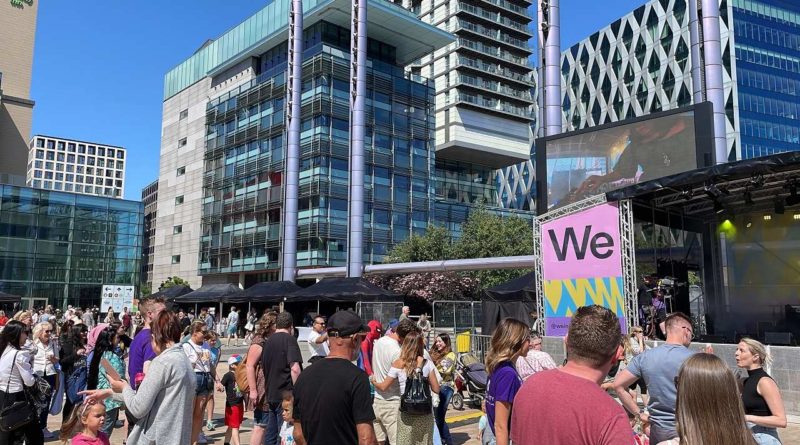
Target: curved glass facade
pixel 63 247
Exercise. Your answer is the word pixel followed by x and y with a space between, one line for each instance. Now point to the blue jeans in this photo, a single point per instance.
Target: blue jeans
pixel 445 394
pixel 274 415
pixel 110 421
pixel 765 436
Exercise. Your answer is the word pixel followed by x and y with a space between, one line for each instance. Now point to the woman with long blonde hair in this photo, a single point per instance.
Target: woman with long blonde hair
pixel 709 410
pixel 763 404
pixel 412 429
pixel 509 342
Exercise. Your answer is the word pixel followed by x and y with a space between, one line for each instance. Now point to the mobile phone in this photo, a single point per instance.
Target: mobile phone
pixel 110 371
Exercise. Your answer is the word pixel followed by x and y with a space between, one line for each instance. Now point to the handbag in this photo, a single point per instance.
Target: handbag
pixel 19 413
pixel 417 399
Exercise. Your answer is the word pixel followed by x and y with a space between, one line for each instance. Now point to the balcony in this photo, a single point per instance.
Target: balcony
pixel 492 34
pixel 494 17
pixel 496 70
pixel 494 105
pixel 508 6
pixel 494 51
pixel 494 87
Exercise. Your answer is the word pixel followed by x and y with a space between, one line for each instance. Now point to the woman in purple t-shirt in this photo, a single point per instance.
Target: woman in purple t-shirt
pixel 509 342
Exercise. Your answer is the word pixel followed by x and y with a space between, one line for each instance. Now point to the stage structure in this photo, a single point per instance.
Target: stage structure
pixel 599 268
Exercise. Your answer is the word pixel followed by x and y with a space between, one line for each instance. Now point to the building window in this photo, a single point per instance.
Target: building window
pixel 179 200
pixel 111 153
pixel 182 142
pixel 92 149
pixel 120 155
pixel 71 147
pixel 184 114
pixel 177 229
pixel 40 143
pixel 81 148
pixel 181 171
pixel 176 259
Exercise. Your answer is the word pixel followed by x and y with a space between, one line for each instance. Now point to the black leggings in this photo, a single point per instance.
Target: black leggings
pixel 32 432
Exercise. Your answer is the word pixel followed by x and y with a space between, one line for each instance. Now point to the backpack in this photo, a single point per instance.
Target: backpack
pixel 240 374
pixel 76 382
pixel 417 398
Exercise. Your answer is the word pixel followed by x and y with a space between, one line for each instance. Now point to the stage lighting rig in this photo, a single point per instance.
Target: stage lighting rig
pixel 687 194
pixel 714 192
pixel 757 181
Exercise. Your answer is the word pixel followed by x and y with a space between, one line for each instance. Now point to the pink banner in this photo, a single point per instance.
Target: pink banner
pixel 583 245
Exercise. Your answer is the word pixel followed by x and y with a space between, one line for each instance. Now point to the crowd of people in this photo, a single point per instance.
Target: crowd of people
pixel 372 384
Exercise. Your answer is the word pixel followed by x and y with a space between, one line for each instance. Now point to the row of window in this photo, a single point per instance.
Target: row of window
pixel 77 188
pixel 770 130
pixel 769 82
pixel 764 34
pixel 768 58
pixel 80 159
pixel 70 168
pixel 69 177
pixel 772 107
pixel 73 147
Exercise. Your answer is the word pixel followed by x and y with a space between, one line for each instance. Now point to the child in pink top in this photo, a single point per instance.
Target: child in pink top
pixel 86 418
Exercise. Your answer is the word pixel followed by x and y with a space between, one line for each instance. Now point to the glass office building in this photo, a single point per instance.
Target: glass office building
pixel 767 36
pixel 60 248
pixel 245 148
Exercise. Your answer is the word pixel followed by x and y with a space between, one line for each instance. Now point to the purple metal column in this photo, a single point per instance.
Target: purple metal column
pixel 291 180
pixel 358 90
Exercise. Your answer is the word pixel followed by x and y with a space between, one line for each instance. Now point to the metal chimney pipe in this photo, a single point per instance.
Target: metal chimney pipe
pixel 358 90
pixel 291 180
pixel 552 62
pixel 715 93
pixel 698 90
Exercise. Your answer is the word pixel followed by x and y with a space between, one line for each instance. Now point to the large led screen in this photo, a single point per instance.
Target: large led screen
pixel 594 161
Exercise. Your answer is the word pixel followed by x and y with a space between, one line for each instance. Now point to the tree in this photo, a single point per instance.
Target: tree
pixel 434 245
pixel 485 235
pixel 145 289
pixel 172 281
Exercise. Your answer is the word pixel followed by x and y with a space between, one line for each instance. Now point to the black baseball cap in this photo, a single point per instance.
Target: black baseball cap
pixel 345 323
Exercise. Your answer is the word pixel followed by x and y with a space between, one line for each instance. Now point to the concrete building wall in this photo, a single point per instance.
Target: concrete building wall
pixel 17 36
pixel 183 146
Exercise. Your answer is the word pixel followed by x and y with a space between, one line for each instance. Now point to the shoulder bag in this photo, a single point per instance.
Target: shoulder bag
pixel 417 398
pixel 19 413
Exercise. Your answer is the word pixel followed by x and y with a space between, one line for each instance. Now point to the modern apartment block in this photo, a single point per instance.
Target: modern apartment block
pixel 485 92
pixel 17 35
pixel 150 202
pixel 220 193
pixel 641 64
pixel 76 166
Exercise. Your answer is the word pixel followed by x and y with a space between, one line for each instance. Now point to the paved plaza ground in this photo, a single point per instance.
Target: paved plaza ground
pixel 464 424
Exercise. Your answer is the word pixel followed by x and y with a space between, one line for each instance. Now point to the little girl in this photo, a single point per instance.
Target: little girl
pixel 86 418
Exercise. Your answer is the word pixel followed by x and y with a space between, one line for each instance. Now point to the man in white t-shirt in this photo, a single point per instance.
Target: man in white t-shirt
pixel 318 340
pixel 233 324
pixel 387 403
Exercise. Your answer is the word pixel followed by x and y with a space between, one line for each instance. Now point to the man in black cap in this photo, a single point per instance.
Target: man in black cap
pixel 332 399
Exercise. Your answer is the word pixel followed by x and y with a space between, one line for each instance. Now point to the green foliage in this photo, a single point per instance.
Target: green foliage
pixel 484 235
pixel 173 281
pixel 434 245
pixel 145 289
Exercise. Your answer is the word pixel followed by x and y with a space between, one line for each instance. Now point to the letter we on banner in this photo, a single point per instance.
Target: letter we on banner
pixel 582 265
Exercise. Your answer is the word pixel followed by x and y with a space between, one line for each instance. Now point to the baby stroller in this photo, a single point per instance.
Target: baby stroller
pixel 470 381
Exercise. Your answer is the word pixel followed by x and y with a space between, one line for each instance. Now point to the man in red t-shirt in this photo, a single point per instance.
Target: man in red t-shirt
pixel 566 406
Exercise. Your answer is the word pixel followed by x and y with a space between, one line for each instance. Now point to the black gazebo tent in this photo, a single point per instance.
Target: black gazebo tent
pixel 9 299
pixel 212 293
pixel 172 292
pixel 342 290
pixel 269 291
pixel 514 299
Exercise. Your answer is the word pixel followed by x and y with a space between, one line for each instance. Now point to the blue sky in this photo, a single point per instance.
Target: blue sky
pixel 99 66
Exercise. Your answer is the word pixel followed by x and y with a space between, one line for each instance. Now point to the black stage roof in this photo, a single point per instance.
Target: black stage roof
pixel 766 184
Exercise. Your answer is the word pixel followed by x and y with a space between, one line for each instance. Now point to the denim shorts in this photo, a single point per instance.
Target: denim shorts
pixel 260 417
pixel 202 380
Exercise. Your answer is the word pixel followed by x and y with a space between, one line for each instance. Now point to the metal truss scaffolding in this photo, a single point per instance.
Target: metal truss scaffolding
pixel 628 253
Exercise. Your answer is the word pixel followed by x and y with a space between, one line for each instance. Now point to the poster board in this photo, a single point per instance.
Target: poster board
pixel 581 257
pixel 116 296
